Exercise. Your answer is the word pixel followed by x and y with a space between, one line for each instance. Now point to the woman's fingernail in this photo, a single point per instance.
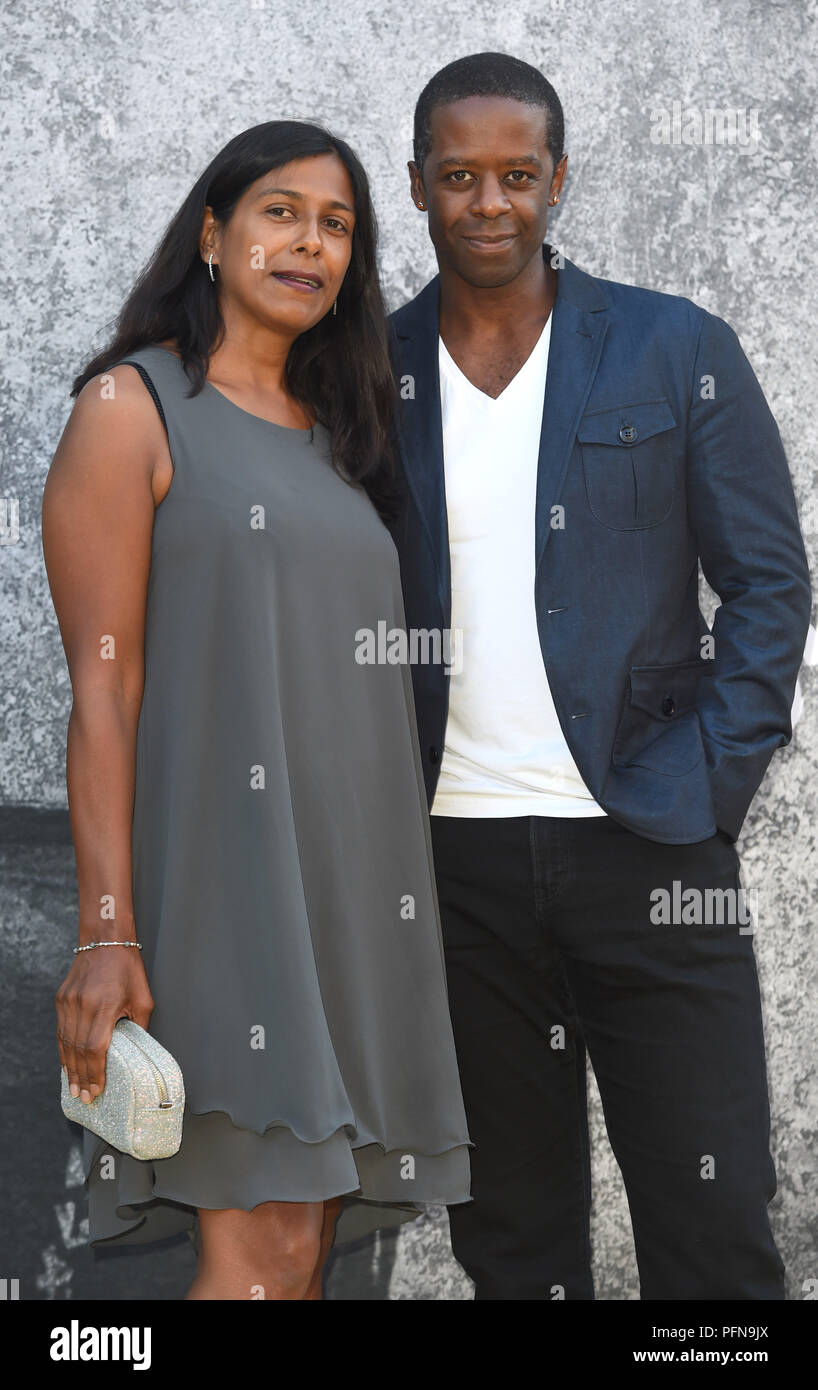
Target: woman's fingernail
pixel 85 1096
pixel 75 1090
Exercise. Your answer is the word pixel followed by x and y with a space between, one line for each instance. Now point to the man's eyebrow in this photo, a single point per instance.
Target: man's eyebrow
pixel 293 193
pixel 459 162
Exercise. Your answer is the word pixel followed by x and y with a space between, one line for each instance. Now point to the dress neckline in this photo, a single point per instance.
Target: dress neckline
pixel 262 419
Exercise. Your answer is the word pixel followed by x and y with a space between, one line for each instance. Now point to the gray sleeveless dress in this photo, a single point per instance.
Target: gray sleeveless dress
pixel 282 868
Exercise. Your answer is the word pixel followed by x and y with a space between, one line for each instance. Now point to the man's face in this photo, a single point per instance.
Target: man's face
pixel 486 183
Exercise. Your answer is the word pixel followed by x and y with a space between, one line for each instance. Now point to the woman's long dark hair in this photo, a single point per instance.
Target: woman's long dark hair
pixel 339 369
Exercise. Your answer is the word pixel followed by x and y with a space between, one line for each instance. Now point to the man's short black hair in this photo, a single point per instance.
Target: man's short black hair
pixel 488 75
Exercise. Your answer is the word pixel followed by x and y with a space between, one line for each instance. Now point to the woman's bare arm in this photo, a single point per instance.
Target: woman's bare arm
pixel 97 522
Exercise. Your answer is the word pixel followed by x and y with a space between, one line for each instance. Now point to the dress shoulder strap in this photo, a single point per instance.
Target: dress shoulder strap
pixel 167 382
pixel 131 362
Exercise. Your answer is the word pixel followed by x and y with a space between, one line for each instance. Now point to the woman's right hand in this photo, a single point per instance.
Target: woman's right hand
pixel 102 986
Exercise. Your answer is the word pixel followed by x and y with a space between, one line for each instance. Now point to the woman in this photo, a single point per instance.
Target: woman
pixel 246 796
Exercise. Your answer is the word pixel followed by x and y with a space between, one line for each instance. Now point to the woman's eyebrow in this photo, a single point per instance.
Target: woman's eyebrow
pixel 292 193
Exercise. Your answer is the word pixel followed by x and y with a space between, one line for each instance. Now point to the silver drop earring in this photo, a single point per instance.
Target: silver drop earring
pixel 335 306
pixel 210 266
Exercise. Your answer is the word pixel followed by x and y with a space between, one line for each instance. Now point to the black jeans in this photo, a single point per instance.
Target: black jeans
pixel 550 948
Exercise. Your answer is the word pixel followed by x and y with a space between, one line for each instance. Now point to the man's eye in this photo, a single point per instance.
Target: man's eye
pixel 456 173
pixel 522 172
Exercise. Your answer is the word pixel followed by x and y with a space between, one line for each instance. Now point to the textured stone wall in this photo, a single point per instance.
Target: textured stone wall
pixel 109 114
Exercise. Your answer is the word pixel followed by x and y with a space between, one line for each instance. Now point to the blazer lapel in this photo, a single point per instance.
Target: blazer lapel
pixel 577 334
pixel 421 428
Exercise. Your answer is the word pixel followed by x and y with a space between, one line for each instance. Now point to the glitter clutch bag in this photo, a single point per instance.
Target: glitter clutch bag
pixel 140 1110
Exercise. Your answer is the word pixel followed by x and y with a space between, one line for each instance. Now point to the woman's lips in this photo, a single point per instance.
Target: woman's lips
pixel 306 286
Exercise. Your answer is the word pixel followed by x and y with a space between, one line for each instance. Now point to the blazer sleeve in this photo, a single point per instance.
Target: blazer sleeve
pixel 743 513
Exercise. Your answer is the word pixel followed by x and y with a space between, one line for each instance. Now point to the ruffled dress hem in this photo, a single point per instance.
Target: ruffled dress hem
pixel 220 1166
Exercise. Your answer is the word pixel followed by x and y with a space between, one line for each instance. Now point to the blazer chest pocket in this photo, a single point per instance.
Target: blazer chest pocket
pixel 629 464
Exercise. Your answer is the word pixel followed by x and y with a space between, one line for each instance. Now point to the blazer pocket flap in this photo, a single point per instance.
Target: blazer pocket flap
pixel 626 425
pixel 666 691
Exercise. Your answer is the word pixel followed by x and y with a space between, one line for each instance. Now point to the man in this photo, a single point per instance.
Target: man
pixel 599 745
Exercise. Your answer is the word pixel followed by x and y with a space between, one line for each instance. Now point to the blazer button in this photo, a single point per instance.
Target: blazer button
pixel 628 433
pixel 669 705
pixel 434 755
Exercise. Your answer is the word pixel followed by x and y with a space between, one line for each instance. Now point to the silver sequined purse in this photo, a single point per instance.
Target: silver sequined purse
pixel 140 1110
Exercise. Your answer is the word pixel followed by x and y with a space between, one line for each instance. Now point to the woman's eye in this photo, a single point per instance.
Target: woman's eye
pixel 277 211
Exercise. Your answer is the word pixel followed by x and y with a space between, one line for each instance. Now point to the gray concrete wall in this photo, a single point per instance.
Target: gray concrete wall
pixel 109 114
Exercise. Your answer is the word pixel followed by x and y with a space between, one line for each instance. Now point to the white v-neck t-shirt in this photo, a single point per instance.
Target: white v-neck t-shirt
pixel 505 753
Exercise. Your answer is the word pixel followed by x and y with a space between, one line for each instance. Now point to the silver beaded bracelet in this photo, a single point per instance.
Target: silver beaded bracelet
pixel 93 944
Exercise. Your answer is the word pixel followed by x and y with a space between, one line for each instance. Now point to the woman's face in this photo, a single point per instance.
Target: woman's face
pixel 295 221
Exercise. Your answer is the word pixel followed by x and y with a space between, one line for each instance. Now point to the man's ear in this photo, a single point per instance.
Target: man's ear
pixel 416 185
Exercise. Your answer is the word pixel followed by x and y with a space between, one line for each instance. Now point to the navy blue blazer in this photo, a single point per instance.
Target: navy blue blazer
pixel 657 449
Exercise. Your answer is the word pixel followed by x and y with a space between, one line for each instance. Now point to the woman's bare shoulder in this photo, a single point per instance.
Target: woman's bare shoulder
pixel 114 431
